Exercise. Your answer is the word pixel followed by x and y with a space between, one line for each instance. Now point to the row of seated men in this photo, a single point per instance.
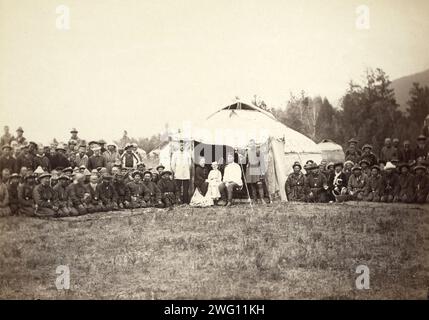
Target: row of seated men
pixel 78 193
pixel 349 181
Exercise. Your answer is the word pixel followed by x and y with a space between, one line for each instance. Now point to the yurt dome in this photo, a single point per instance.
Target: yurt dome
pixel 331 151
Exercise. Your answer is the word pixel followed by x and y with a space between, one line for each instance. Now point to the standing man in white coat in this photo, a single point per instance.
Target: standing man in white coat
pixel 181 167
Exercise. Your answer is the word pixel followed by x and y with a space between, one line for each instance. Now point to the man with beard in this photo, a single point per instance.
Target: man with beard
pixel 153 198
pixel 46 204
pixel 12 187
pixel 294 185
pixel 122 192
pixel 25 195
pixel 7 160
pixel 181 167
pixel 316 185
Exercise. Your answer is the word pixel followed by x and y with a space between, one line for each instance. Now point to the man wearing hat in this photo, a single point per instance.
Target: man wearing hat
pixel 316 185
pixel 7 160
pixel 138 191
pixel 25 159
pixel 122 191
pixel 160 168
pixel 295 184
pixel 421 184
pixel 108 195
pixel 421 149
pixel 368 155
pixel 46 204
pixel 405 185
pixel 365 165
pixel 352 152
pixel 20 137
pixel 168 188
pixel 337 182
pixel 6 138
pixel 41 160
pixel 94 201
pixel 129 159
pixel 81 158
pixel 12 187
pixel 25 195
pixel 111 155
pixel 141 167
pixel 153 198
pixel 79 196
pixel 74 136
pixel 59 159
pixel 357 184
pixel 373 189
pixel 65 206
pixel 389 183
pixel 96 160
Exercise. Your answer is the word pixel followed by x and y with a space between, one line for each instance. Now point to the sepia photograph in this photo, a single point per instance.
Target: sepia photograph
pixel 238 151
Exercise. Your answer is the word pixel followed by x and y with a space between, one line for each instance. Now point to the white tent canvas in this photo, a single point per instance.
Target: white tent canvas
pixel 238 124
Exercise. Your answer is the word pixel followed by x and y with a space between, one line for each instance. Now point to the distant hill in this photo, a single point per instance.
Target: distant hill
pixel 402 87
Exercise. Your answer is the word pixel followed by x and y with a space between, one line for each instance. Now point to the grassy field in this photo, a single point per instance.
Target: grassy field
pixel 283 251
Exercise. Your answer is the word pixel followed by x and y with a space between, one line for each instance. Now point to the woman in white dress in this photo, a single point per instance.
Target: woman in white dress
pixel 214 179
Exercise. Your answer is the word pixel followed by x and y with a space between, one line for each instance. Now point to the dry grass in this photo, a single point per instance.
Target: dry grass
pixel 277 252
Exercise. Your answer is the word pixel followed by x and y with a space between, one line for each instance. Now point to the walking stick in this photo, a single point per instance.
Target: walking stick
pixel 247 189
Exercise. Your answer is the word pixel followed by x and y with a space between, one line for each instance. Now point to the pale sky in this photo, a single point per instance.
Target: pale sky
pixel 136 64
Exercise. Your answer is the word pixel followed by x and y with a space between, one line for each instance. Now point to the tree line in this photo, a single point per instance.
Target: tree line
pixel 367 111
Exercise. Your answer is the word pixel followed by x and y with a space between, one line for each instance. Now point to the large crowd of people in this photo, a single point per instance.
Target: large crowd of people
pixel 397 174
pixel 79 178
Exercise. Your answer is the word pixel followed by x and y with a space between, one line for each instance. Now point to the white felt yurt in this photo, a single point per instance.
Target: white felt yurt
pixel 238 125
pixel 331 151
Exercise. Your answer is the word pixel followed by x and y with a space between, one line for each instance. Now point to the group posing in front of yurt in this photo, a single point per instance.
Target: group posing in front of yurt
pixel 79 178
